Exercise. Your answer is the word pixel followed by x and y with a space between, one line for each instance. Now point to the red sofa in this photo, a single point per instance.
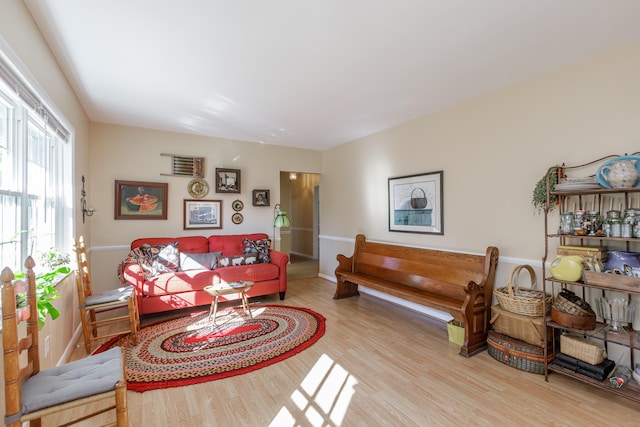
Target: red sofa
pixel 181 289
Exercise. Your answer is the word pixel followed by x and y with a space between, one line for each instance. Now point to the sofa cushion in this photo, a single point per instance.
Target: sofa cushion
pixel 163 258
pixel 235 260
pixel 206 261
pixel 175 283
pixel 232 244
pixel 260 247
pixel 190 244
pixel 196 280
pixel 251 273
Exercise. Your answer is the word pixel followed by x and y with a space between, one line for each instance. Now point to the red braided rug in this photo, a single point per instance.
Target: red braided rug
pixel 191 350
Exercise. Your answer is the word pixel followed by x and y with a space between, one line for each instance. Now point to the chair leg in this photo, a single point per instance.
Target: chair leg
pixel 85 330
pixel 134 319
pixel 122 411
pixel 94 327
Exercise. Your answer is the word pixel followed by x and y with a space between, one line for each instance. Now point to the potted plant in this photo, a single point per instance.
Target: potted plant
pixel 539 197
pixel 56 264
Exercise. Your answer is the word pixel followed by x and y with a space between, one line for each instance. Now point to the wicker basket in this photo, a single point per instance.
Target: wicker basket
pixel 529 329
pixel 582 349
pixel 517 354
pixel 584 323
pixel 568 302
pixel 528 302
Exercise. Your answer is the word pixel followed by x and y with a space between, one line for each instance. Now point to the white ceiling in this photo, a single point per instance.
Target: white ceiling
pixel 312 74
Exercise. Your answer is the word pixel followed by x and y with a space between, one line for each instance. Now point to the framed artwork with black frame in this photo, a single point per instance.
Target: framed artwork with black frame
pixel 227 180
pixel 415 203
pixel 261 198
pixel 141 200
pixel 202 214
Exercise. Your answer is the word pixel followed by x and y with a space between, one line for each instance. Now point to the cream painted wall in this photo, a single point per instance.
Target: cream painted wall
pixel 19 32
pixel 126 153
pixel 492 150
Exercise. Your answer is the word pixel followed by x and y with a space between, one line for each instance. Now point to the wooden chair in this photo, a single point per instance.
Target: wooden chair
pixel 31 393
pixel 97 310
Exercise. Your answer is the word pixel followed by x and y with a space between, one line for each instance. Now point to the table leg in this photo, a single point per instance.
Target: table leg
pixel 213 309
pixel 245 304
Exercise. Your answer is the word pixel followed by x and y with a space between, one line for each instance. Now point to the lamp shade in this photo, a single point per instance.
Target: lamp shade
pixel 281 220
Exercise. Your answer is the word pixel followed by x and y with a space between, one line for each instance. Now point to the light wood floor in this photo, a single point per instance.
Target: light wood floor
pixel 377 365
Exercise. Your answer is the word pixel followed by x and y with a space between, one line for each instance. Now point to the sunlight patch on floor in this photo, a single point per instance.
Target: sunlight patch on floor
pixel 322 399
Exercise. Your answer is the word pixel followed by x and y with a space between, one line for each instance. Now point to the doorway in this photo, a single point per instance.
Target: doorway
pixel 301 191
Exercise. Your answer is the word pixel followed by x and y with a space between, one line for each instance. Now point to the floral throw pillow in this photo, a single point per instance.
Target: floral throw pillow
pixel 163 258
pixel 136 256
pixel 260 247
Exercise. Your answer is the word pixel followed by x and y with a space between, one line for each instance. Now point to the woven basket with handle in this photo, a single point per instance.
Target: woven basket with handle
pixel 523 301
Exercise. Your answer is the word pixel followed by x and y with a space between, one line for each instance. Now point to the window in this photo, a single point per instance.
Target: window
pixel 35 160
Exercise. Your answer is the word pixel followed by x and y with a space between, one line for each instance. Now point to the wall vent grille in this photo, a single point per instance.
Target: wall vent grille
pixel 186 166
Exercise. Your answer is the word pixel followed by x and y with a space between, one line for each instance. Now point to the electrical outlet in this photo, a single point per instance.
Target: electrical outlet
pixel 46 346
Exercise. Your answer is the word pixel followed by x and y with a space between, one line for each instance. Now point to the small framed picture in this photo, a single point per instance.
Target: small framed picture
pixel 202 214
pixel 227 180
pixel 141 200
pixel 261 198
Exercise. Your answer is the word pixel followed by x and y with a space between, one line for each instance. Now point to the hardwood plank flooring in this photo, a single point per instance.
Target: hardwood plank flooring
pixel 376 365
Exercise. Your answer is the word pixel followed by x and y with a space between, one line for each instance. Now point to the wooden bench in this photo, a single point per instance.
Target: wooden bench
pixel 457 283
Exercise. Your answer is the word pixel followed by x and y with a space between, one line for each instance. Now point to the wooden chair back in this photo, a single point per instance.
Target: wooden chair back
pixel 102 313
pixel 13 345
pixel 83 266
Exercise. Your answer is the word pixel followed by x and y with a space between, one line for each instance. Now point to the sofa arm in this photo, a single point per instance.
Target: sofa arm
pixel 281 260
pixel 134 275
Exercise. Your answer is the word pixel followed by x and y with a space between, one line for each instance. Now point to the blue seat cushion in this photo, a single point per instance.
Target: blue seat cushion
pixel 119 295
pixel 76 380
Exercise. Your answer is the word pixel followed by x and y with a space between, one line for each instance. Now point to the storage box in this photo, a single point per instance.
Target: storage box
pixel 529 329
pixel 612 281
pixel 582 349
pixel 599 252
pixel 517 354
pixel 456 332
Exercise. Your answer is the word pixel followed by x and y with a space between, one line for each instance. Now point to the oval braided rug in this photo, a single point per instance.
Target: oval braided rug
pixel 191 349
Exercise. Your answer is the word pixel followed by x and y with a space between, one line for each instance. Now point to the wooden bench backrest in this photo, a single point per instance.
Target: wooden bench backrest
pixel 431 270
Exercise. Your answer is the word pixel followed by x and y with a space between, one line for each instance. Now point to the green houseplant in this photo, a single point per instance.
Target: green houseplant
pixel 57 265
pixel 539 196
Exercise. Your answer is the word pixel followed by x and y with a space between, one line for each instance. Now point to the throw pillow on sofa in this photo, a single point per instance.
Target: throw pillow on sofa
pixel 136 256
pixel 260 247
pixel 235 260
pixel 206 261
pixel 163 258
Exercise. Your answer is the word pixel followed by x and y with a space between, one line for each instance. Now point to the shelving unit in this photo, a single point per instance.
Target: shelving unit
pixel 588 199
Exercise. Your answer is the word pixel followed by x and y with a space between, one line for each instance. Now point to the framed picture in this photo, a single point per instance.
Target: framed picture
pixel 261 198
pixel 415 203
pixel 202 214
pixel 141 200
pixel 227 180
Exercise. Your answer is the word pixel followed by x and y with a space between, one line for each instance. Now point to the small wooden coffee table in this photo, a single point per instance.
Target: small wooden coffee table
pixel 227 288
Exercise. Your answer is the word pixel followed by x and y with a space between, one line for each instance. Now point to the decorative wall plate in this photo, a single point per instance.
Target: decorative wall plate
pixel 237 218
pixel 237 205
pixel 198 188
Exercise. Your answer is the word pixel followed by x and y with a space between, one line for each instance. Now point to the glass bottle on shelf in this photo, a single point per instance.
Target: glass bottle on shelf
pixel 566 222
